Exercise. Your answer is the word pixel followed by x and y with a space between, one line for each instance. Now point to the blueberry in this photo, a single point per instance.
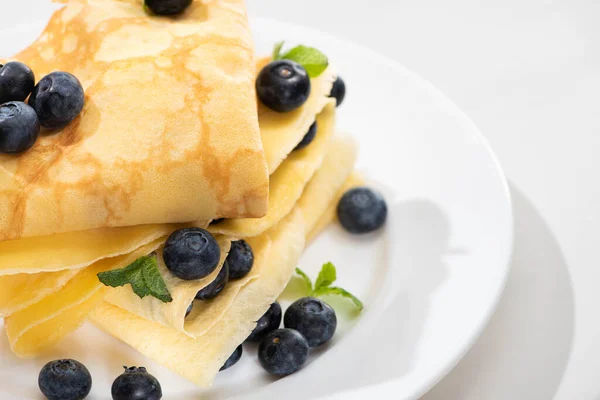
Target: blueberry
pixel 57 99
pixel 338 91
pixel 233 358
pixel 167 7
pixel 215 287
pixel 309 137
pixel 267 323
pixel 191 253
pixel 65 380
pixel 313 318
pixel 19 127
pixel 283 352
pixel 189 309
pixel 136 384
pixel 362 210
pixel 16 82
pixel 283 85
pixel 240 259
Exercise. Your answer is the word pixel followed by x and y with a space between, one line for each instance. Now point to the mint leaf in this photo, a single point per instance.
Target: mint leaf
pixel 277 50
pixel 323 286
pixel 143 276
pixel 306 279
pixel 326 277
pixel 310 58
pixel 329 291
pixel 155 283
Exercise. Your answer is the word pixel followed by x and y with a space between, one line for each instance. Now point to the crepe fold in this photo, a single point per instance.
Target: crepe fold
pixel 50 263
pixel 199 358
pixel 40 325
pixel 327 217
pixel 169 132
pixel 288 181
pixel 183 292
pixel 280 133
pixel 329 161
pixel 215 328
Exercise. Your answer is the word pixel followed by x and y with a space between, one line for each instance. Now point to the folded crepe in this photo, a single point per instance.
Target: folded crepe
pixel 193 157
pixel 215 328
pixel 280 133
pixel 330 213
pixel 169 132
pixel 66 254
pixel 335 168
pixel 39 326
pixel 199 358
pixel 288 181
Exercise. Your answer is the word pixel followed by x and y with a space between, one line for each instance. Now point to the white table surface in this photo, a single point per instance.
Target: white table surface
pixel 528 73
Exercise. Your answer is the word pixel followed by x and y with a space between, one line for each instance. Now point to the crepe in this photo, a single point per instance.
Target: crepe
pixel 64 255
pixel 199 359
pixel 74 250
pixel 312 202
pixel 169 132
pixel 41 325
pixel 281 132
pixel 183 292
pixel 217 327
pixel 288 181
pixel 22 290
pixel 329 215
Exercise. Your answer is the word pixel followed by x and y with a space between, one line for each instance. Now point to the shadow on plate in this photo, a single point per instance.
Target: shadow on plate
pixel 422 232
pixel 524 351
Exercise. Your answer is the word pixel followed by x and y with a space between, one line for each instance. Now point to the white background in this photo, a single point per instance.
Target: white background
pixel 528 73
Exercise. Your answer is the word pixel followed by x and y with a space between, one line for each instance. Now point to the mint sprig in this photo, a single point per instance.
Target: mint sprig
pixel 144 277
pixel 313 61
pixel 322 286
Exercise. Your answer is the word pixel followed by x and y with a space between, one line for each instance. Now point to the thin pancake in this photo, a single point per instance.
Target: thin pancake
pixel 79 249
pixel 330 214
pixel 199 359
pixel 321 190
pixel 221 326
pixel 41 325
pixel 74 250
pixel 22 290
pixel 281 132
pixel 169 132
pixel 288 182
pixel 206 314
pixel 183 292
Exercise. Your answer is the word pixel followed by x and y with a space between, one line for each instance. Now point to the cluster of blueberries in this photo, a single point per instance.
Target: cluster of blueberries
pixel 53 103
pixel 193 253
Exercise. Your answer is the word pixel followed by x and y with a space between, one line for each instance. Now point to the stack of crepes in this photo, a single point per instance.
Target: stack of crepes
pixel 171 136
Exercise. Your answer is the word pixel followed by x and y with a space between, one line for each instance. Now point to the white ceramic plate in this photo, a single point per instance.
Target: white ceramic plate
pixel 430 281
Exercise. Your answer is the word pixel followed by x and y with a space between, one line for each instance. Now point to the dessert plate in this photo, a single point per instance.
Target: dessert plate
pixel 430 280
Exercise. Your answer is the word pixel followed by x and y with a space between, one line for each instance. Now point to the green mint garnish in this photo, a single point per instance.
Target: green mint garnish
pixel 313 61
pixel 323 284
pixel 143 276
